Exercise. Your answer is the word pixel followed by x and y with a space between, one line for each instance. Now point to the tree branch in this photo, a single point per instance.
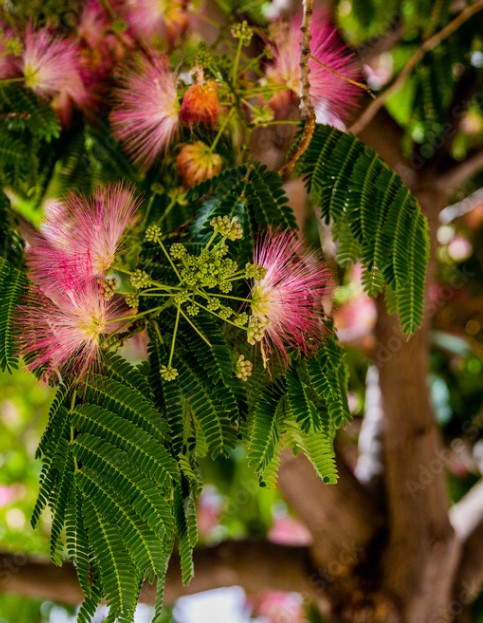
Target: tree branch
pixel 427 46
pixel 451 180
pixel 341 518
pixel 254 565
pixel 467 520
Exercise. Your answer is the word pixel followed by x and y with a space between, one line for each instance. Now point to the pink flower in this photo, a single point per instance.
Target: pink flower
pixel 8 64
pixel 62 333
pixel 51 66
pixel 333 98
pixel 101 49
pixel 278 607
pixel 153 20
pixel 286 303
pixel 80 237
pixel 288 531
pixel 145 117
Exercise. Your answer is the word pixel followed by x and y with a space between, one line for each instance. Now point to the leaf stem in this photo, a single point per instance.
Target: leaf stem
pixel 176 325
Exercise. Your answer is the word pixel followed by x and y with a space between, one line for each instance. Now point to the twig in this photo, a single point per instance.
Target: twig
pixel 452 179
pixel 427 46
pixel 306 108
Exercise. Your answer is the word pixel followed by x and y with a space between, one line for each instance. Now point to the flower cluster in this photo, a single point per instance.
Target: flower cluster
pixel 69 312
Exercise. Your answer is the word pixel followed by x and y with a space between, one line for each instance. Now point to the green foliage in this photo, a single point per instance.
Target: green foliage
pixel 111 481
pixel 12 286
pixel 252 193
pixel 374 213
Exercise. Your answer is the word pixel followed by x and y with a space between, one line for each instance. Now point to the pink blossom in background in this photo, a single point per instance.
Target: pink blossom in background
pixel 8 495
pixel 101 49
pixel 209 510
pixel 8 62
pixel 289 531
pixel 288 300
pixel 145 116
pixel 278 607
pixel 63 332
pixel 51 66
pixel 334 99
pixel 153 20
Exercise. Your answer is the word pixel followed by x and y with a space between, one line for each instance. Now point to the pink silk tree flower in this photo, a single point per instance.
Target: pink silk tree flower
pixel 102 48
pixel 8 64
pixel 333 96
pixel 51 66
pixel 286 304
pixel 157 20
pixel 62 334
pixel 102 221
pixel 81 236
pixel 145 116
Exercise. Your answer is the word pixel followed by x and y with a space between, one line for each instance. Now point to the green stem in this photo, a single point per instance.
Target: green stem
pixel 221 318
pixel 236 62
pixel 176 325
pixel 220 132
pixel 222 296
pixel 170 206
pixel 160 242
pixel 148 211
pixel 161 286
pixel 189 321
pixel 136 316
pixel 12 80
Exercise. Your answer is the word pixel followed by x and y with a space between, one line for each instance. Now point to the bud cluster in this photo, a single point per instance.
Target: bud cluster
pixel 243 368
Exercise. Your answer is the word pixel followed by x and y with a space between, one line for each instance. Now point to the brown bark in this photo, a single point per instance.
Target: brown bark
pixel 255 565
pixel 341 518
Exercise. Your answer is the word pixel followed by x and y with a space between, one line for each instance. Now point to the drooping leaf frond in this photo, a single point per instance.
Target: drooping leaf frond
pixel 109 478
pixel 372 211
pixel 12 286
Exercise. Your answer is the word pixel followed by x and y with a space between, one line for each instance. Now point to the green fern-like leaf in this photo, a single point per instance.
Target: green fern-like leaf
pixel 265 429
pixel 39 116
pixel 372 211
pixel 184 542
pixel 328 378
pixel 12 285
pixel 110 480
pixel 302 407
pixel 209 408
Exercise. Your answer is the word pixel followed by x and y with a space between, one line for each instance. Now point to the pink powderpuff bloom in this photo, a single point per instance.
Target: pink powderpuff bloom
pixel 62 334
pixel 145 117
pixel 157 20
pixel 51 66
pixel 278 607
pixel 8 64
pixel 286 304
pixel 80 237
pixel 101 49
pixel 334 99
